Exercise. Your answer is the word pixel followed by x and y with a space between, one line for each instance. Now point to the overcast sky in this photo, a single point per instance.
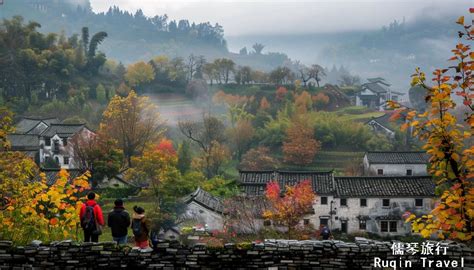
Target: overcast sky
pixel 242 17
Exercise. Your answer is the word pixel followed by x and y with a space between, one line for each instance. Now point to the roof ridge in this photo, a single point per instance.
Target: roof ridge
pixel 61 124
pixel 384 176
pixel 419 151
pixel 307 172
pixel 38 118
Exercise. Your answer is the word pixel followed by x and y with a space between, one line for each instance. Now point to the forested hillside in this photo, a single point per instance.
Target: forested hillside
pixel 133 37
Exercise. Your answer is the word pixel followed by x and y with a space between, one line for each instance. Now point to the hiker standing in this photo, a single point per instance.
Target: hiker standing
pixel 140 227
pixel 118 221
pixel 91 219
pixel 325 232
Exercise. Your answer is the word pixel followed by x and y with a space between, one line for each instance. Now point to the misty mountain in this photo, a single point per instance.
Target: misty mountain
pixel 131 37
pixel 392 52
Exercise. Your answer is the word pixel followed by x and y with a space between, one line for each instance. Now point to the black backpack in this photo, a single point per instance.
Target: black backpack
pixel 325 231
pixel 88 219
pixel 137 227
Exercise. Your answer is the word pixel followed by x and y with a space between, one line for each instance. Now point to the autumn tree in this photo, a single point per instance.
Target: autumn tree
pixel 281 93
pixel 207 135
pixel 132 122
pixel 448 141
pixel 300 146
pixel 13 165
pixel 320 100
pixel 290 208
pixel 139 73
pixel 212 161
pixel 264 104
pixel 32 209
pixel 157 168
pixel 303 102
pixel 98 155
pixel 241 136
pixel 258 159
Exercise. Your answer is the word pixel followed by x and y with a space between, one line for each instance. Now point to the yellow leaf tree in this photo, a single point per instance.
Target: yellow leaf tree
pixel 30 208
pixel 132 122
pixel 448 140
pixel 139 73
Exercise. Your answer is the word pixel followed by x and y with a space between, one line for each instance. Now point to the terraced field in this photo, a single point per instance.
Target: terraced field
pixel 328 160
pixel 175 107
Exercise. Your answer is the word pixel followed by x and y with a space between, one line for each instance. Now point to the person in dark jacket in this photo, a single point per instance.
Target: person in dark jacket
pixel 140 227
pixel 118 221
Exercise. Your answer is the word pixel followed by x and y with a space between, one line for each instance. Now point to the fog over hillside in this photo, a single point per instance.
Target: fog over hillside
pixel 362 36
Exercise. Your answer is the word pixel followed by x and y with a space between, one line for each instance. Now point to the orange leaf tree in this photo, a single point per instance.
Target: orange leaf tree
pixel 290 208
pixel 300 146
pixel 448 140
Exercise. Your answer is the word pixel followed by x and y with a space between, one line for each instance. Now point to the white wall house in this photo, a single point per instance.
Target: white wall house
pixel 396 163
pixel 56 143
pixel 354 204
pixel 375 93
pixel 52 139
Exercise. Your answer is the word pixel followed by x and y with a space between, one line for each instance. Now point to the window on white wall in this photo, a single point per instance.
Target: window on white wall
pixel 419 202
pixel 386 202
pixel 343 202
pixel 379 171
pixel 409 172
pixel 324 200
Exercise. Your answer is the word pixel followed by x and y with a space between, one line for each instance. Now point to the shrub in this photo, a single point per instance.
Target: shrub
pixel 120 192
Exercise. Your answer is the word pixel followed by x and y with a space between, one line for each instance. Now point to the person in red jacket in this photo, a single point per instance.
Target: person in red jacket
pixel 91 219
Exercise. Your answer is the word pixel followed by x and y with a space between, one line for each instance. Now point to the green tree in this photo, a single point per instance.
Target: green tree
pixel 184 157
pixel 100 94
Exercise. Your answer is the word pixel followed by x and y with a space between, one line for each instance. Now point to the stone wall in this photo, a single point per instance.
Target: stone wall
pixel 273 254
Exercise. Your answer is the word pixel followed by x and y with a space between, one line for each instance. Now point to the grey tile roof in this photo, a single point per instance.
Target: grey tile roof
pixel 63 130
pixel 375 87
pixel 254 183
pixel 30 124
pixel 385 186
pixel 320 181
pixel 384 120
pixel 205 199
pixel 393 157
pixel 24 142
pixel 379 80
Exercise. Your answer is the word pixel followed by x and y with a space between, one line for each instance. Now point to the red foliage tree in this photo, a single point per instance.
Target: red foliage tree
pixel 290 208
pixel 281 93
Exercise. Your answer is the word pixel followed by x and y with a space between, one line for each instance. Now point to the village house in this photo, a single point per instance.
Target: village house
pixel 382 125
pixel 396 163
pixel 46 138
pixel 353 204
pixel 375 93
pixel 204 209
